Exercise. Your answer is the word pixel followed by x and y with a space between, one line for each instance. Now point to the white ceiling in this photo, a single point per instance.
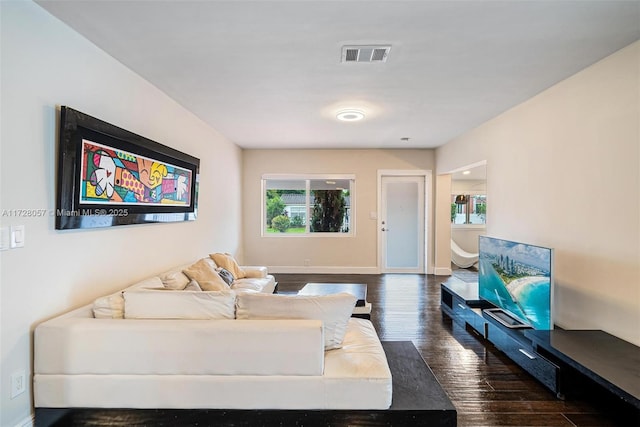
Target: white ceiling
pixel 267 74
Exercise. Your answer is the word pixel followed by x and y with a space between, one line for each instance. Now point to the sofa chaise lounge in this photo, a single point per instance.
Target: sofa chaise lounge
pixel 256 350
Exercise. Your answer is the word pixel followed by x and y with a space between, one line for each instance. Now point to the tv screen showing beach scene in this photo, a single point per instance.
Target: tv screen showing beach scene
pixel 517 278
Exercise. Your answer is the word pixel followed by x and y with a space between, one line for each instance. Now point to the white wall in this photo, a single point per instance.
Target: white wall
pixel 563 171
pixel 356 254
pixel 45 64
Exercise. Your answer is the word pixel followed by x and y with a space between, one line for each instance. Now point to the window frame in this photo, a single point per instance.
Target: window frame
pixel 308 178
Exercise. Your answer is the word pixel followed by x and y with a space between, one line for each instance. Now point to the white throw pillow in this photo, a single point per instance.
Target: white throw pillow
pixel 148 283
pixel 334 311
pixel 109 307
pixel 193 286
pixel 175 279
pixel 169 304
pixel 112 306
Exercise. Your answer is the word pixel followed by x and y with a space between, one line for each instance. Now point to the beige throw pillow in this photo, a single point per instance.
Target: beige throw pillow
pixel 334 311
pixel 205 274
pixel 227 262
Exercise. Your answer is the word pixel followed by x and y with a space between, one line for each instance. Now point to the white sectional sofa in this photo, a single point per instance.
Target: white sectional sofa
pixel 244 348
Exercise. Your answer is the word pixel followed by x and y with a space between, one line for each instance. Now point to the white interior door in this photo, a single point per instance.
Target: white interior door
pixel 402 224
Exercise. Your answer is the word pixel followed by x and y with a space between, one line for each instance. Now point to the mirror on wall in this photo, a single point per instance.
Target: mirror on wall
pixel 468 212
pixel 469 197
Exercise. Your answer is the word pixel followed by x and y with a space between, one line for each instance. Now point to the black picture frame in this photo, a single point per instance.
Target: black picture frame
pixel 74 209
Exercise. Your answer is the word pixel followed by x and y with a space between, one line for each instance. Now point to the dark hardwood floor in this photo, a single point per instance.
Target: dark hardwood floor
pixel 486 387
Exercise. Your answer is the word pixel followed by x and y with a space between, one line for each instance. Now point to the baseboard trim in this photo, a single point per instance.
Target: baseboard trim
pixel 322 270
pixel 442 271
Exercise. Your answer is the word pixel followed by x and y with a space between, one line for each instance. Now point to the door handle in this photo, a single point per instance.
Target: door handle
pixel 385 229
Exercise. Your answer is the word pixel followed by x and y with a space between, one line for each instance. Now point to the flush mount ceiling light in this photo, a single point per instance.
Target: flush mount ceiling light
pixel 350 115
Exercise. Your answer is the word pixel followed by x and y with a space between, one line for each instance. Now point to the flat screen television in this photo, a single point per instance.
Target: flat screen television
pixel 518 279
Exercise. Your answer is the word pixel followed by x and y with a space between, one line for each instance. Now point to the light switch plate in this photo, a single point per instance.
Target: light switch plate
pixel 17 236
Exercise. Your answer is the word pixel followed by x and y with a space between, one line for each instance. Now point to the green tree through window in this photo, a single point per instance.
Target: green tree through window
pixel 275 206
pixel 328 211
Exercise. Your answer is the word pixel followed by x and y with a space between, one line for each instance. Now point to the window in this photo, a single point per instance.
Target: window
pixel 469 209
pixel 307 204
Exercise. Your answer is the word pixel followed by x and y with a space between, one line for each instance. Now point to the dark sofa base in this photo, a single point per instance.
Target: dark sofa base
pixel 418 399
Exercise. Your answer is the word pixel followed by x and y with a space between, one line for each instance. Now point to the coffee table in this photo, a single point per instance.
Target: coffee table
pixel 359 290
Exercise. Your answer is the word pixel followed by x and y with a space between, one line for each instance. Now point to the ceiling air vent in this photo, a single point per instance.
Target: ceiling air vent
pixel 365 53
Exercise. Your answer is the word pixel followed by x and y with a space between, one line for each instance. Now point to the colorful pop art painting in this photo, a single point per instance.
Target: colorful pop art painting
pixel 109 176
pixel 114 176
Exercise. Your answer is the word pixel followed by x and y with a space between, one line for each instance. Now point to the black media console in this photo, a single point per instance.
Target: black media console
pixel 607 360
pixel 461 303
pixel 560 359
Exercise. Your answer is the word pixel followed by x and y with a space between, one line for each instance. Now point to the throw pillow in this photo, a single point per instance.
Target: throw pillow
pixel 205 274
pixel 227 262
pixel 109 307
pixel 334 311
pixel 169 304
pixel 174 280
pixel 148 283
pixel 193 286
pixel 225 274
